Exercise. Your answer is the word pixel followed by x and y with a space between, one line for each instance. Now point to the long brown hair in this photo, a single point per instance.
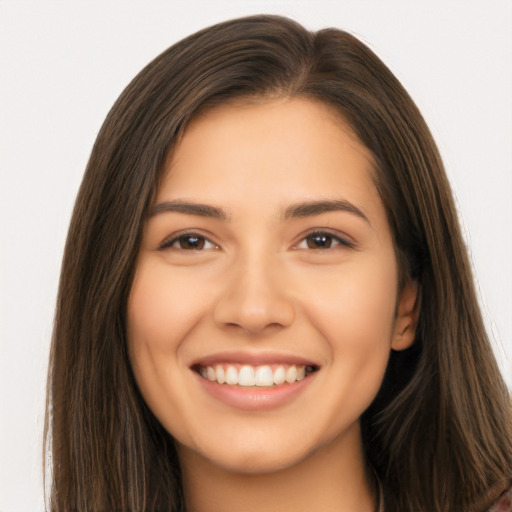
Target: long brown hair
pixel 438 435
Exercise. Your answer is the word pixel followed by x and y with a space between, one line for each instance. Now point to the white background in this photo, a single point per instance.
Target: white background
pixel 63 64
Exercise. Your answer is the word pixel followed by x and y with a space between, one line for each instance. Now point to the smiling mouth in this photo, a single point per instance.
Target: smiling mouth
pixel 244 375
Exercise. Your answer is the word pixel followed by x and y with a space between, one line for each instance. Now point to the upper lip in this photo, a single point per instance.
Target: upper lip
pixel 253 358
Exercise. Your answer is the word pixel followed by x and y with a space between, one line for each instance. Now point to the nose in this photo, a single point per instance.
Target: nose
pixel 255 298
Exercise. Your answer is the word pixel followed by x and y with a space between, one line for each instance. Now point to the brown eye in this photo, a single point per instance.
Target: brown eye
pixel 319 241
pixel 189 242
pixel 323 240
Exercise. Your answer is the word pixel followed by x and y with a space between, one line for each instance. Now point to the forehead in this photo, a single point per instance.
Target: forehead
pixel 256 162
pixel 268 143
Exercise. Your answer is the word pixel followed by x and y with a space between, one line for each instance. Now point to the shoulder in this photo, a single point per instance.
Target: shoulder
pixel 503 503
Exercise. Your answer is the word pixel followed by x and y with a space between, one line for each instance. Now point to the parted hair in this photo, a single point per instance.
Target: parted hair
pixel 438 434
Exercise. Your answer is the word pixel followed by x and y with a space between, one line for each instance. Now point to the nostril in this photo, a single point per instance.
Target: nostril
pixel 251 318
pixel 254 300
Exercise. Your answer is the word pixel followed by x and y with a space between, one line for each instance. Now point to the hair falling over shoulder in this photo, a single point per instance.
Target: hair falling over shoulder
pixel 438 435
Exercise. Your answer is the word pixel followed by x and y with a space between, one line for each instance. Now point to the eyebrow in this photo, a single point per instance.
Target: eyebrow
pixel 311 208
pixel 297 210
pixel 202 210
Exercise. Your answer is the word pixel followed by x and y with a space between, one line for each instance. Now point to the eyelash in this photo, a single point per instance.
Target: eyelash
pixel 168 244
pixel 327 234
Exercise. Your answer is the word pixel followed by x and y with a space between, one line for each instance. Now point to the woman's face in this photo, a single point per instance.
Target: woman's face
pixel 268 263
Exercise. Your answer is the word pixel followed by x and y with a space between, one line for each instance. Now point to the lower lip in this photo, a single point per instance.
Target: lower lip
pixel 255 398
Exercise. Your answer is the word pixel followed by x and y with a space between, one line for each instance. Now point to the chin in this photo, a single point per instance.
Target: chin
pixel 257 463
pixel 247 455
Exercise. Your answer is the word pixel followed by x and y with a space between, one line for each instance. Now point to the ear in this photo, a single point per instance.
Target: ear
pixel 407 313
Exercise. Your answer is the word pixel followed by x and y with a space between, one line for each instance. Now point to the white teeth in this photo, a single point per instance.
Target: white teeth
pixel 231 376
pixel 221 377
pixel 264 376
pixel 279 376
pixel 249 376
pixel 291 374
pixel 210 373
pixel 246 376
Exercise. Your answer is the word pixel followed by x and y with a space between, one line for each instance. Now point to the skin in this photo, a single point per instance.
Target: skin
pixel 259 285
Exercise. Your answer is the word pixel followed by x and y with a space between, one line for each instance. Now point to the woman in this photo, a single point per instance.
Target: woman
pixel 265 299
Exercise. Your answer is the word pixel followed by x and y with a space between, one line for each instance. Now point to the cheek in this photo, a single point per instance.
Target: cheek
pixel 160 310
pixel 354 309
pixel 159 317
pixel 356 304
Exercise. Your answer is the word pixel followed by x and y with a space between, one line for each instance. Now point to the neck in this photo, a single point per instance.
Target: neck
pixel 333 478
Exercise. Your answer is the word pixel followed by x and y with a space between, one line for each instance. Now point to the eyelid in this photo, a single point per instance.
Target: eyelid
pixel 169 241
pixel 343 240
